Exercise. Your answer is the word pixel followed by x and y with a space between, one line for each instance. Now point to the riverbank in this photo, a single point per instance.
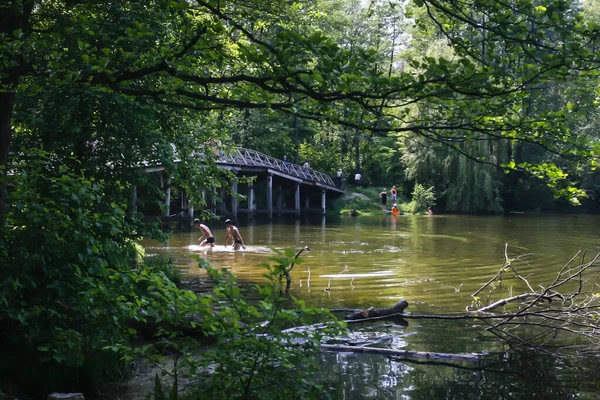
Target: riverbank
pixel 366 201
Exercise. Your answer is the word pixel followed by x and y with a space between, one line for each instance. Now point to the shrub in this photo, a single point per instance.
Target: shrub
pixel 422 198
pixel 163 263
pixel 254 355
pixel 65 249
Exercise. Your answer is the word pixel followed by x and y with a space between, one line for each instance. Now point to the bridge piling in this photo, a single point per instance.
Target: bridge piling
pixel 297 198
pixel 234 200
pixel 279 199
pixel 270 195
pixel 222 205
pixel 213 194
pixel 134 200
pixel 251 205
pixel 167 188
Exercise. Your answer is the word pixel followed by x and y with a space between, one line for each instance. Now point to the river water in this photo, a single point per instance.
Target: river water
pixel 435 263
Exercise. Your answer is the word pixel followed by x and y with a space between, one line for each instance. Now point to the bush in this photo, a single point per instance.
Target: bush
pixel 70 288
pixel 254 357
pixel 67 286
pixel 163 263
pixel 64 250
pixel 422 198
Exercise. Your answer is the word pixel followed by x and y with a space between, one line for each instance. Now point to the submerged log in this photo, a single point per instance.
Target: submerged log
pixel 400 353
pixel 373 312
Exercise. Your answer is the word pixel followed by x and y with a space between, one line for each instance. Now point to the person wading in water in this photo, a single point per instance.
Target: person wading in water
pixel 206 234
pixel 232 231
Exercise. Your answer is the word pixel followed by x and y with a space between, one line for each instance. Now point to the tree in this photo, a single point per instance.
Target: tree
pixel 104 87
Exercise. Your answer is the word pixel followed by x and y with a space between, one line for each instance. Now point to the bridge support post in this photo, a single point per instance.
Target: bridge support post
pixel 213 193
pixel 251 199
pixel 134 198
pixel 307 201
pixel 270 195
pixel 168 199
pixel 323 194
pixel 279 199
pixel 222 206
pixel 167 210
pixel 297 199
pixel 234 200
pixel 185 205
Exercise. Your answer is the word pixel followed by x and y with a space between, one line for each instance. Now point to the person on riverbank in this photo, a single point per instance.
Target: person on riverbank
pixel 206 234
pixel 429 212
pixel 394 194
pixel 383 196
pixel 233 232
pixel 357 178
pixel 339 177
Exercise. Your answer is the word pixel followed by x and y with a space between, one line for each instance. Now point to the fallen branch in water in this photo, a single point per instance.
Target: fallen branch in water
pixel 373 312
pixel 400 353
pixel 287 271
pixel 568 304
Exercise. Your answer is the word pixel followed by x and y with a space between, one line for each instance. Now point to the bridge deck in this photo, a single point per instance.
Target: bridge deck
pixel 241 158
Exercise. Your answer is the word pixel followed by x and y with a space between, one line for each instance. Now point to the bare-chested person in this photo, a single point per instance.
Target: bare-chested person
pixel 206 234
pixel 233 232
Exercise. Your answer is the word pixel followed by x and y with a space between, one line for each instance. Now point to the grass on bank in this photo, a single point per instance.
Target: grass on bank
pixel 370 205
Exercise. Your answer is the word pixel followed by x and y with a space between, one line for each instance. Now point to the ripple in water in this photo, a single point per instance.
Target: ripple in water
pixel 228 249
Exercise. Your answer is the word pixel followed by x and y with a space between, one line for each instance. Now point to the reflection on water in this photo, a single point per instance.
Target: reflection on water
pixel 422 259
pixel 433 262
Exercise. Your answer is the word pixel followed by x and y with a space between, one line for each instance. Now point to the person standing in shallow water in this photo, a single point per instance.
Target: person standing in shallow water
pixel 383 196
pixel 233 232
pixel 206 234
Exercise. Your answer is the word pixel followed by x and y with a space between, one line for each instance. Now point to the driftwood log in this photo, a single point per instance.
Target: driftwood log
pixel 400 353
pixel 373 312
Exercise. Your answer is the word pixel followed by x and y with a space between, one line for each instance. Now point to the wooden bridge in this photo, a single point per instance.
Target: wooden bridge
pixel 291 185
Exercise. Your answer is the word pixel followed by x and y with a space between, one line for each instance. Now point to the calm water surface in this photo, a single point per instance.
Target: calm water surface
pixel 433 262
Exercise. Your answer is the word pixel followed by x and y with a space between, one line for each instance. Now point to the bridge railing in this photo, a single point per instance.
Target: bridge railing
pixel 242 156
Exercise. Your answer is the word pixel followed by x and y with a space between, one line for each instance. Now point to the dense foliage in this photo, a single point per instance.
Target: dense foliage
pixel 493 104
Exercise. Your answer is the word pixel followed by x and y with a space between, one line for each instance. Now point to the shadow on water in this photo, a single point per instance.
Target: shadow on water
pixel 510 376
pixel 504 371
pixel 436 264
